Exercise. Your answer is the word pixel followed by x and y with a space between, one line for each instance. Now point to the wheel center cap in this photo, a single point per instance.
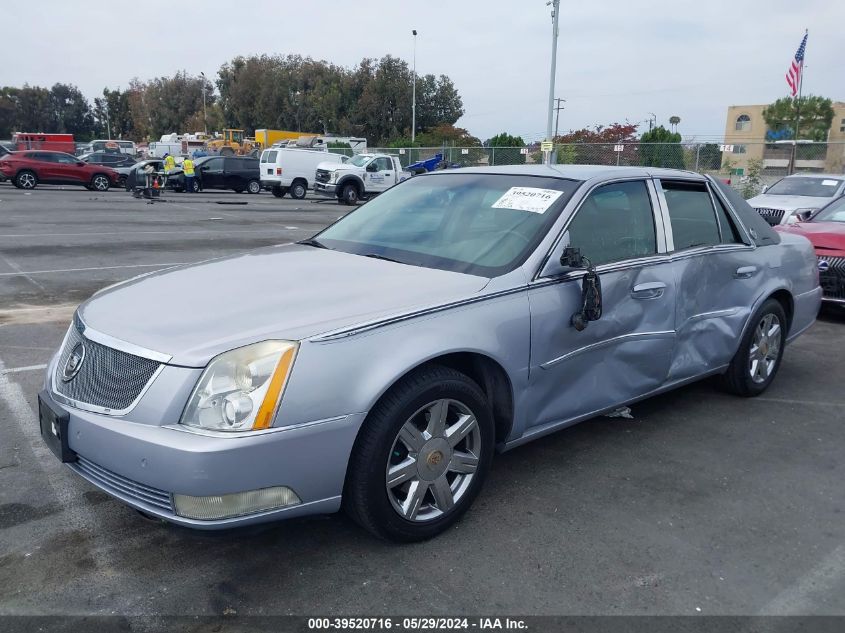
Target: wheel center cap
pixel 434 458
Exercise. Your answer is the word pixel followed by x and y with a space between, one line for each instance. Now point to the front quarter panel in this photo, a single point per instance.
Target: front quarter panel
pixel 349 373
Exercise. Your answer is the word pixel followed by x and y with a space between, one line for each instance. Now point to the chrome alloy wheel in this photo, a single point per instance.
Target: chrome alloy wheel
pixel 100 183
pixel 765 348
pixel 26 181
pixel 433 460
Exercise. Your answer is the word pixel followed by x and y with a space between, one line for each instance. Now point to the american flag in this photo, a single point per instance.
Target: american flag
pixel 793 75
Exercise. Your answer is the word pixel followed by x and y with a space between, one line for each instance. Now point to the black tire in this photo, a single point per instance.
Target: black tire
pixel 279 192
pixel 365 496
pixel 253 186
pixel 121 181
pixel 350 194
pixel 26 179
pixel 298 189
pixel 100 182
pixel 738 378
pixel 196 186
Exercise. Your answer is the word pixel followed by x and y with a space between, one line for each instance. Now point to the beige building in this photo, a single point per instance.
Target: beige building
pixel 746 134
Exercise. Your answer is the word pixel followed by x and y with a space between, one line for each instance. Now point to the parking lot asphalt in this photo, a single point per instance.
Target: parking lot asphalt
pixel 703 503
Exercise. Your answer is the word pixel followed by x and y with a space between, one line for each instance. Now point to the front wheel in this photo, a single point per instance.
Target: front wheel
pixel 350 195
pixel 758 359
pixel 298 190
pixel 100 183
pixel 421 456
pixel 253 186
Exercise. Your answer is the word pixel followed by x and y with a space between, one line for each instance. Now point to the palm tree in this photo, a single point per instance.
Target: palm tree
pixel 673 121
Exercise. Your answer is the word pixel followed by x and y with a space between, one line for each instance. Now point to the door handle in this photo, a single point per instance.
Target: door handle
pixel 648 290
pixel 745 272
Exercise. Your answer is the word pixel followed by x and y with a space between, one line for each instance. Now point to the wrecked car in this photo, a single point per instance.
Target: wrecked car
pixel 459 313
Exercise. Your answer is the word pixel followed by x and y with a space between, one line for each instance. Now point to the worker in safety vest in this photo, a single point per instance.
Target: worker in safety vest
pixel 169 163
pixel 188 170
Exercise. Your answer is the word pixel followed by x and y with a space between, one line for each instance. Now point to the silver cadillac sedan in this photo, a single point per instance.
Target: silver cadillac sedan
pixel 380 364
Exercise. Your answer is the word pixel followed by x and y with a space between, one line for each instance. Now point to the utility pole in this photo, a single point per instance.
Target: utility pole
pixel 791 169
pixel 414 93
pixel 204 115
pixel 555 6
pixel 652 121
pixel 558 108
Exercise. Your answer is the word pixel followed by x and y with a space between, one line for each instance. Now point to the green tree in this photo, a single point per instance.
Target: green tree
pixel 816 115
pixel 505 140
pixel 70 111
pixel 661 148
pixel 752 182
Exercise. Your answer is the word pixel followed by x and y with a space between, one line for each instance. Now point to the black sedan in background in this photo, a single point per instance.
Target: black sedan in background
pixel 238 173
pixel 109 159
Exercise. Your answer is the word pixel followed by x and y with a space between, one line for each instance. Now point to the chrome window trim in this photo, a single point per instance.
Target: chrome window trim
pixel 657 229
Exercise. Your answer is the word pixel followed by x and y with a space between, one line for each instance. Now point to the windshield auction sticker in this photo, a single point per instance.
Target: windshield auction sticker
pixel 530 199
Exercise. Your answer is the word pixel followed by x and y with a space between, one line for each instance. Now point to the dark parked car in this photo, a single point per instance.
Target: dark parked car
pixel 27 169
pixel 109 159
pixel 238 173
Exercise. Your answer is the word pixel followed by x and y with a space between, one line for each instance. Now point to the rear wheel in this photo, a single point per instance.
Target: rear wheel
pixel 121 180
pixel 421 456
pixel 253 186
pixel 760 352
pixel 100 183
pixel 26 180
pixel 350 194
pixel 298 190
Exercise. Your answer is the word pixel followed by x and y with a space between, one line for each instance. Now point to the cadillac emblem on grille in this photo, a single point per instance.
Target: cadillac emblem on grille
pixel 74 362
pixel 824 265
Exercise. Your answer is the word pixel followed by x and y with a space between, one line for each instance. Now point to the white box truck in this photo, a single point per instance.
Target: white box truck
pixel 286 170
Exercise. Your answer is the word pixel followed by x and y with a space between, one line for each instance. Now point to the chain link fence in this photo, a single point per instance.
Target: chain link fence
pixel 748 166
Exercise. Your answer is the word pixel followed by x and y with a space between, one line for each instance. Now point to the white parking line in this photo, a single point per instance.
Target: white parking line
pixel 75 270
pixel 799 598
pixel 19 273
pixel 15 370
pixel 822 403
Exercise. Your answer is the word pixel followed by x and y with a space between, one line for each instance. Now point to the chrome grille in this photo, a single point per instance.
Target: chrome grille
pixel 832 280
pixel 107 378
pixel 322 175
pixel 123 486
pixel 772 216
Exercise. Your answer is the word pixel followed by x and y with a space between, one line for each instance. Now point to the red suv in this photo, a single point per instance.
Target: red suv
pixel 27 169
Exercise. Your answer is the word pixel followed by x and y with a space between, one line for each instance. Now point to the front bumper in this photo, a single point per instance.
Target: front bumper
pixel 144 465
pixel 325 189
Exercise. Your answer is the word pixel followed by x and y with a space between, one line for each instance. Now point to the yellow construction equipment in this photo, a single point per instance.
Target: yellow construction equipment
pixel 232 142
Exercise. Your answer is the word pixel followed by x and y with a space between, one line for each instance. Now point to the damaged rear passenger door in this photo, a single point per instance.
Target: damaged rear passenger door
pixel 627 352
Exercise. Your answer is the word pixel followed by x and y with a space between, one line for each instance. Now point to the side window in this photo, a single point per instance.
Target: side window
pixel 384 164
pixel 66 159
pixel 45 156
pixel 614 223
pixel 215 164
pixel 727 226
pixel 692 214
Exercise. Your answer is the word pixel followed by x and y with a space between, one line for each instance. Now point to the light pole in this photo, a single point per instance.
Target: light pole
pixel 204 116
pixel 414 93
pixel 555 6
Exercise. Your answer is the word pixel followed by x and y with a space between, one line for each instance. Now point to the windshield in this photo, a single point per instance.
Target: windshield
pixel 805 186
pixel 479 224
pixel 360 160
pixel 834 212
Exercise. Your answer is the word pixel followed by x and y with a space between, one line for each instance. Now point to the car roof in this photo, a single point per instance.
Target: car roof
pixel 580 172
pixel 815 175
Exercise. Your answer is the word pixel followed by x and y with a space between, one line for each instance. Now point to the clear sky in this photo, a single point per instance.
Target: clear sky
pixel 617 59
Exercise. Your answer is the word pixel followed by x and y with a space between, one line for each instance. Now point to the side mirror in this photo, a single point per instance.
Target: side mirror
pixel 80 163
pixel 591 296
pixel 572 258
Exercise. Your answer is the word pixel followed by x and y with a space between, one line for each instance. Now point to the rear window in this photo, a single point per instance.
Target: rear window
pixel 805 186
pixel 269 156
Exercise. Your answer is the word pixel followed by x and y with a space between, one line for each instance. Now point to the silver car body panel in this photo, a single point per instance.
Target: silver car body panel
pixel 364 323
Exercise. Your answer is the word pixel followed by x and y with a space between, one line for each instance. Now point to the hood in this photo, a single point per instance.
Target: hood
pixel 788 203
pixel 288 292
pixel 329 166
pixel 828 238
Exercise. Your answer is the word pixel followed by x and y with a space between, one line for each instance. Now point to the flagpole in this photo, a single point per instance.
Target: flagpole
pixel 798 107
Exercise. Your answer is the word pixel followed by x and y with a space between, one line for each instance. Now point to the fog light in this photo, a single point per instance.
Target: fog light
pixel 236 504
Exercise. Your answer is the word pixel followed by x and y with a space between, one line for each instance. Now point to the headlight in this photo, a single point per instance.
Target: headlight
pixel 333 177
pixel 240 390
pixel 800 215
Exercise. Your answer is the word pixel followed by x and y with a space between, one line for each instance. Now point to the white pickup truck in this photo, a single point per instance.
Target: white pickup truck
pixel 359 178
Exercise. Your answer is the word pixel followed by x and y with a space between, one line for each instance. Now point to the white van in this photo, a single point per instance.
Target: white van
pixel 293 170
